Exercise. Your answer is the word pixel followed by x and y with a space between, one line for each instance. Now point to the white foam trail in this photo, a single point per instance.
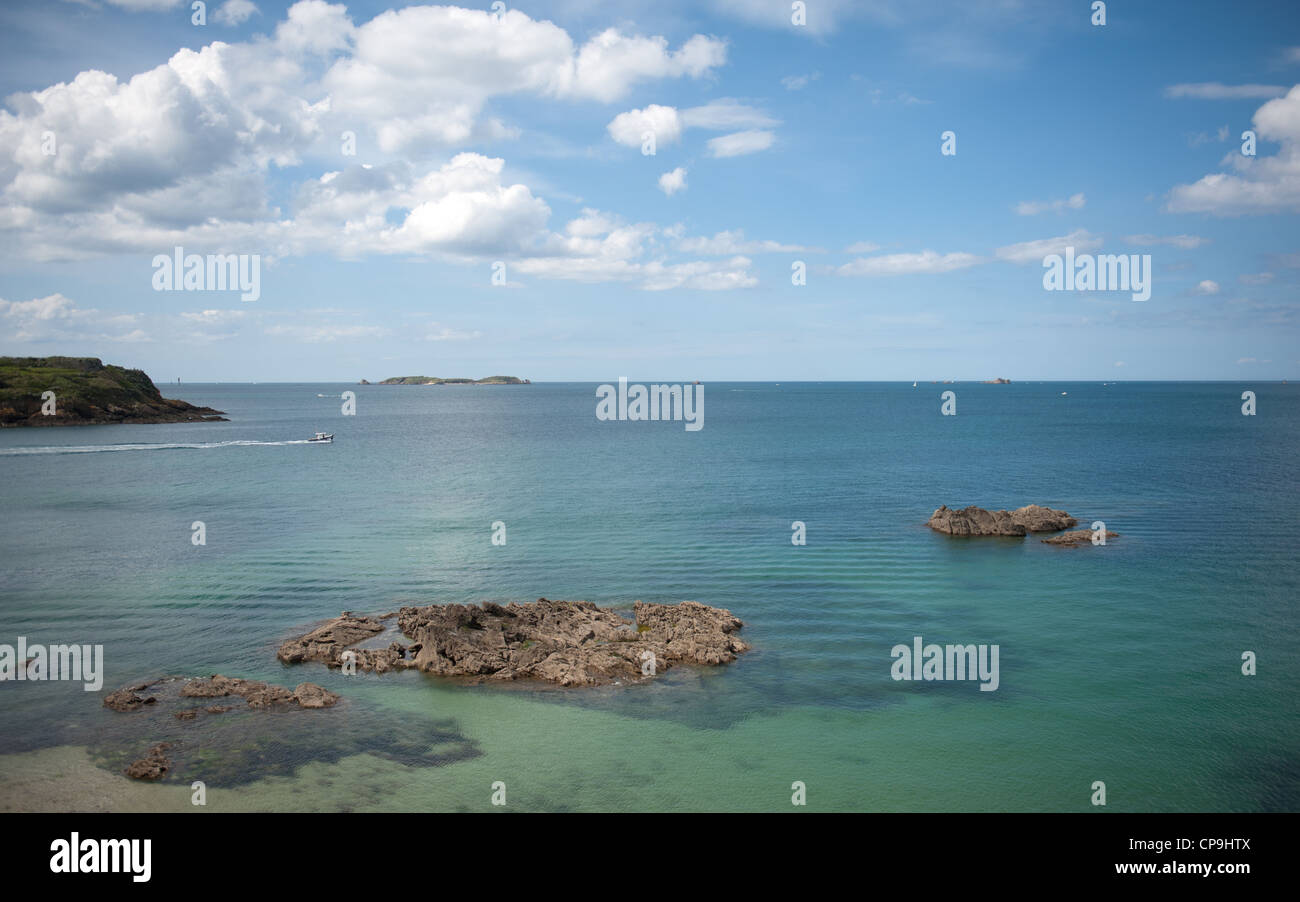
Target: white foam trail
pixel 152 446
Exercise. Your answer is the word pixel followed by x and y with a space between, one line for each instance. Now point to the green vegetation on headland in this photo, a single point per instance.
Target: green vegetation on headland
pixel 85 392
pixel 435 380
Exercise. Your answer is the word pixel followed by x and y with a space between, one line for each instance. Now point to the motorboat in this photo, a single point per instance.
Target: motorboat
pixel 322 437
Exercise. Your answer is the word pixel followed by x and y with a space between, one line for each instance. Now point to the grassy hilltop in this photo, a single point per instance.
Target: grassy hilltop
pixel 86 392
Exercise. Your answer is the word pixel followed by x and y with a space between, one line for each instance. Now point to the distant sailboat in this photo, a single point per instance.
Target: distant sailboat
pixel 913 385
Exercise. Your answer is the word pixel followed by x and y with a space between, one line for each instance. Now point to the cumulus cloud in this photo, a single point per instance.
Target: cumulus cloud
pixel 1259 184
pixel 1034 207
pixel 1206 287
pixel 630 128
pixel 183 153
pixel 667 123
pixel 672 182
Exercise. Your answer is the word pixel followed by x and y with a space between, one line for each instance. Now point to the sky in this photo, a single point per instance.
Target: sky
pixel 469 191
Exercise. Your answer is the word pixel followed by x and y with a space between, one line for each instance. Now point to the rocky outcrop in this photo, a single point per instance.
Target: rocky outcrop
pixel 255 693
pixel 571 643
pixel 1077 537
pixel 127 699
pixel 85 392
pixel 976 521
pixel 153 766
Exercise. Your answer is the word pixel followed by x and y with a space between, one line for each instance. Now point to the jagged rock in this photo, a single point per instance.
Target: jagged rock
pixel 309 695
pixel 573 643
pixel 328 641
pixel 976 521
pixel 127 699
pixel 1077 537
pixel 153 766
pixel 1035 518
pixel 255 692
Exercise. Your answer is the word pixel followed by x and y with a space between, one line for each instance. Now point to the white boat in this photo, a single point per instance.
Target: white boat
pixel 322 437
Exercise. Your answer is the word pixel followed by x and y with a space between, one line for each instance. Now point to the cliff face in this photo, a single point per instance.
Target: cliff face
pixel 86 392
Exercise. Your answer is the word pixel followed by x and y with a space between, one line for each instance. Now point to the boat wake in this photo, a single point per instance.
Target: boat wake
pixel 143 446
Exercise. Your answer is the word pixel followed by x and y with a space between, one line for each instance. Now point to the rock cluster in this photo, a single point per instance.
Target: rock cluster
pixel 257 694
pixel 976 521
pixel 1077 537
pixel 572 643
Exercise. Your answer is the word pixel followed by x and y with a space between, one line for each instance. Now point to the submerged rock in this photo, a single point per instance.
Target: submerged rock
pixel 257 694
pixel 572 643
pixel 153 766
pixel 976 521
pixel 1077 537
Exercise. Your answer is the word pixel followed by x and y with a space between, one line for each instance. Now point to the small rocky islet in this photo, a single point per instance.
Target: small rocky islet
pixel 976 521
pixel 568 643
pixel 565 643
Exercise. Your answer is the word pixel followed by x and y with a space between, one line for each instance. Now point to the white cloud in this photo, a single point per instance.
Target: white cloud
pixel 56 318
pixel 823 16
pixel 1213 90
pixel 183 153
pixel 926 261
pixel 1258 278
pixel 1247 360
pixel 672 182
pixel 799 82
pixel 667 123
pixel 317 334
pixel 1186 242
pixel 1035 251
pixel 1207 287
pixel 1034 207
pixel 725 114
pixel 1261 184
pixel 740 143
pixel 631 127
pixel 862 247
pixel 235 12
pixel 136 6
pixel 725 243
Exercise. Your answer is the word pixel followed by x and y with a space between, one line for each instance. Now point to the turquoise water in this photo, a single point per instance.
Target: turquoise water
pixel 1119 664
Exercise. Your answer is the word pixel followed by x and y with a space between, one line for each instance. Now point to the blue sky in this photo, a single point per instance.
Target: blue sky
pixel 516 139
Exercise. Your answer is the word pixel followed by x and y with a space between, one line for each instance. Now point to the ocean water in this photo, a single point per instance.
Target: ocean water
pixel 1119 664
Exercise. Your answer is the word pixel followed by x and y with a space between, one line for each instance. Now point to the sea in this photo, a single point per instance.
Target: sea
pixel 1157 672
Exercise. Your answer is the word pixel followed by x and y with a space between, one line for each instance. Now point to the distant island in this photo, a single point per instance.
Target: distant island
pixel 435 380
pixel 85 392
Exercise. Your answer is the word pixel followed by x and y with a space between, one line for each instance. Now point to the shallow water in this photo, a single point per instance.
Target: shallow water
pixel 1119 664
